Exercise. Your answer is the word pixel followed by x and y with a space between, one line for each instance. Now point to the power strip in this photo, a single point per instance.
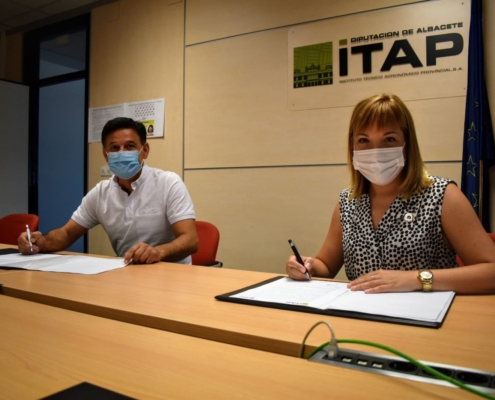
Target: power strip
pixel 483 381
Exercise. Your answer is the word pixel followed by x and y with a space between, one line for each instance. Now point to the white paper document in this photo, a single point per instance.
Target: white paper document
pixel 421 306
pixel 61 263
pixel 98 117
pixel 151 113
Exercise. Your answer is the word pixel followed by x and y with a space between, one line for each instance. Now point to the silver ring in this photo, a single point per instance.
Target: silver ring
pixel 372 277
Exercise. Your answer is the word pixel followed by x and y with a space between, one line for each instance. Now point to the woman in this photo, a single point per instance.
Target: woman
pixel 395 229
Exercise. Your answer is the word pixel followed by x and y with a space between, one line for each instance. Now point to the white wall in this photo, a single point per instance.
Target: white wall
pixel 14 106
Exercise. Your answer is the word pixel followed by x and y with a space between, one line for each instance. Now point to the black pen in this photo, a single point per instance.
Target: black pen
pixel 298 257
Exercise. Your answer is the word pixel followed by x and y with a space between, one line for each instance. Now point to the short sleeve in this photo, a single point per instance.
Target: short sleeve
pixel 179 203
pixel 86 214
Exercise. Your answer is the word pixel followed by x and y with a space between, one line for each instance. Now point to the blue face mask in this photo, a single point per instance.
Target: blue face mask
pixel 124 164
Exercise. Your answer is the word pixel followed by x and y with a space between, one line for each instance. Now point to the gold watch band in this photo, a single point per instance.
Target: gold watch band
pixel 426 278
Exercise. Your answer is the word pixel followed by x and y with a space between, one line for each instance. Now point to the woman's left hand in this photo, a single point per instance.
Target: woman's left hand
pixel 383 281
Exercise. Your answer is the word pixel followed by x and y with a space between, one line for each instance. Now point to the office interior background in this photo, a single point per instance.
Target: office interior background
pixel 261 172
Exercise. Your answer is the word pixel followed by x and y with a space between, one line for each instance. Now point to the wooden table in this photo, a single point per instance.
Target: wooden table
pixel 180 299
pixel 44 350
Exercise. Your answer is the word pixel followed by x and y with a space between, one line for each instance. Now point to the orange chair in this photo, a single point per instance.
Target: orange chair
pixel 209 237
pixel 459 261
pixel 11 226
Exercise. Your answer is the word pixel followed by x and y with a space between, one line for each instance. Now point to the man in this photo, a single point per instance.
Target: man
pixel 146 212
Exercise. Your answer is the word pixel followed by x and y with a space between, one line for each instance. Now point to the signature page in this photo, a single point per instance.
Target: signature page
pixel 423 306
pixel 62 263
pixel 313 293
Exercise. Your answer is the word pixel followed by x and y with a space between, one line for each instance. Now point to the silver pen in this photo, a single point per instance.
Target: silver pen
pixel 28 231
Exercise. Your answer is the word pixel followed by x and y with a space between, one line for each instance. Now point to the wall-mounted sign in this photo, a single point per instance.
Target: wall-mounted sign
pixel 417 51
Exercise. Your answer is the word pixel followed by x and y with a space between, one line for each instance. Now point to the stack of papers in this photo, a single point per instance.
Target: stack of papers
pixel 61 263
pixel 327 295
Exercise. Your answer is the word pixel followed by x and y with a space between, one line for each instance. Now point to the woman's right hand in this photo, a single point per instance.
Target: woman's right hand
pixel 296 271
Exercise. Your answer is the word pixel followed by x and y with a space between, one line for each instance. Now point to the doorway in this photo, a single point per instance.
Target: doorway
pixel 56 69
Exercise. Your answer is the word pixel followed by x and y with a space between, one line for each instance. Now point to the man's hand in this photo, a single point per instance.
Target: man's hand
pixel 37 240
pixel 142 253
pixel 57 240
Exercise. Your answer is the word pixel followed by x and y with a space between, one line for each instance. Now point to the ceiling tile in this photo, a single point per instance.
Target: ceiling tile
pixel 35 3
pixel 65 5
pixel 25 18
pixel 9 9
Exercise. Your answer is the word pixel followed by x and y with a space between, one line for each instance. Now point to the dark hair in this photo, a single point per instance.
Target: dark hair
pixel 123 123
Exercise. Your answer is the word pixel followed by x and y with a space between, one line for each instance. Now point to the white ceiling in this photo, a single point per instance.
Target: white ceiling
pixel 15 14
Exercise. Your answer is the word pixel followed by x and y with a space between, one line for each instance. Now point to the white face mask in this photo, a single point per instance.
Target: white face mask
pixel 379 166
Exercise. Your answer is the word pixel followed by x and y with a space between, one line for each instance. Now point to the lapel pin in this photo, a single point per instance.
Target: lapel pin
pixel 409 217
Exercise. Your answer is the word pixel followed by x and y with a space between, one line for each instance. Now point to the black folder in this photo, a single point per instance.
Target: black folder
pixel 4 252
pixel 333 312
pixel 85 391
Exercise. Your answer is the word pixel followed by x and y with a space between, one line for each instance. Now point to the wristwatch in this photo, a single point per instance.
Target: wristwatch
pixel 426 278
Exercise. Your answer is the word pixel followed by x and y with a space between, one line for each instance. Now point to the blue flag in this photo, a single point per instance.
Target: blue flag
pixel 479 146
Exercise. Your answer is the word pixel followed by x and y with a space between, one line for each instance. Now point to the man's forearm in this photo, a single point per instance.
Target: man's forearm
pixel 61 238
pixel 56 240
pixel 179 248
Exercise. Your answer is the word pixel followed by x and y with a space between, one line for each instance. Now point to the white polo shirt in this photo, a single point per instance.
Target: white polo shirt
pixel 159 199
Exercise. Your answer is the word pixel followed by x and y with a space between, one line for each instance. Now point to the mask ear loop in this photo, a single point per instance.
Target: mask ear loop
pixel 139 152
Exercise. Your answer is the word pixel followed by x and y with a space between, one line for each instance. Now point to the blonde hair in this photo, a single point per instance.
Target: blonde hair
pixel 385 110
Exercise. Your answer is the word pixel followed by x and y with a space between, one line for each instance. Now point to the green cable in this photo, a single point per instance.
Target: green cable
pixel 412 361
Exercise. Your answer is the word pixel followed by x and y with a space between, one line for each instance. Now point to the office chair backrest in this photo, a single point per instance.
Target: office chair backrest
pixel 459 261
pixel 209 237
pixel 11 226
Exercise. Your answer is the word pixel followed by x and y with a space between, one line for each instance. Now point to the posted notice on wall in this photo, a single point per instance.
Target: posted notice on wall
pixel 151 113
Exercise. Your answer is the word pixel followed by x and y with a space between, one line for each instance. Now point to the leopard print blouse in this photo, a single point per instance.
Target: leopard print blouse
pixel 409 236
